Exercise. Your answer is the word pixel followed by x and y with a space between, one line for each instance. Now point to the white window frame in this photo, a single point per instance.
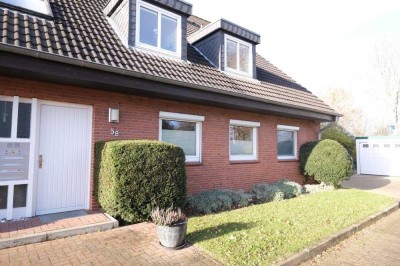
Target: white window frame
pixel 237 70
pixel 185 118
pixel 10 212
pixel 160 12
pixel 290 129
pixel 250 124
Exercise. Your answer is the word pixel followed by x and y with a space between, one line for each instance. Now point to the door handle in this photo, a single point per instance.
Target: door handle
pixel 40 161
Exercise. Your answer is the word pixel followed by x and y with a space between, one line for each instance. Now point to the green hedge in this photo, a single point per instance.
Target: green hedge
pixel 347 141
pixel 132 177
pixel 304 153
pixel 327 161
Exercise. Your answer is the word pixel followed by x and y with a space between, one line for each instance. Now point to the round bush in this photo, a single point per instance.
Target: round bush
pixel 329 162
pixel 338 134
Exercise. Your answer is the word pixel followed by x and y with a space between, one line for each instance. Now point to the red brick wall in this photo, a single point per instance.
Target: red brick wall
pixel 139 120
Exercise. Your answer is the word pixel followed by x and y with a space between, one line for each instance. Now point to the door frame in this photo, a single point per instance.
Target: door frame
pixel 37 142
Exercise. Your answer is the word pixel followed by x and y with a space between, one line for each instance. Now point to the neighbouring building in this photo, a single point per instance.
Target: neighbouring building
pixel 76 72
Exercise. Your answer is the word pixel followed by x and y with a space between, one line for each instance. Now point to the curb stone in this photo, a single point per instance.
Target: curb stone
pixel 60 233
pixel 325 244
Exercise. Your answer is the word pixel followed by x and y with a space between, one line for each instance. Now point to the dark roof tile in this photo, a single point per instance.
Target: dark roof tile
pixel 81 31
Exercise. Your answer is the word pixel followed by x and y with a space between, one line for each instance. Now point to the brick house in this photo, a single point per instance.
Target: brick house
pixel 76 72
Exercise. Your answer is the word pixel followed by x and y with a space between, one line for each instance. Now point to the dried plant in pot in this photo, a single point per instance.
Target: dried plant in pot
pixel 171 226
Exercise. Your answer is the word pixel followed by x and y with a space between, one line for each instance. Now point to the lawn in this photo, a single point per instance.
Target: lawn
pixel 262 234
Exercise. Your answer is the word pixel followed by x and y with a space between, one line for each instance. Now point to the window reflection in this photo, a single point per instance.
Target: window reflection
pixel 168 33
pixel 148 26
pixel 5 119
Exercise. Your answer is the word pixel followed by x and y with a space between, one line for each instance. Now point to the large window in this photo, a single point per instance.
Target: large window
pixel 158 29
pixel 243 140
pixel 184 131
pixel 287 142
pixel 238 56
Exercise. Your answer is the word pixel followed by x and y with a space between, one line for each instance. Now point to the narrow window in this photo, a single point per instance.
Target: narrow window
pixel 287 142
pixel 6 110
pixel 184 131
pixel 20 192
pixel 243 140
pixel 24 120
pixel 3 197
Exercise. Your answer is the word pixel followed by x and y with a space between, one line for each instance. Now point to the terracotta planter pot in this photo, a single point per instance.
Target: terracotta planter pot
pixel 172 236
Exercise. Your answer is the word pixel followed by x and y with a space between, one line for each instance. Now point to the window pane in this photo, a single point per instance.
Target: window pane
pixel 3 197
pixel 168 33
pixel 241 140
pixel 231 54
pixel 5 119
pixel 19 196
pixel 182 134
pixel 285 143
pixel 24 120
pixel 244 58
pixel 148 26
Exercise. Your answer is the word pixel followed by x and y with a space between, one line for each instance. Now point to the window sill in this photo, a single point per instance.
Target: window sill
pixel 193 164
pixel 288 160
pixel 244 161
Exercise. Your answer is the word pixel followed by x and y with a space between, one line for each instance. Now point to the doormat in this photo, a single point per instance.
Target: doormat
pixel 50 218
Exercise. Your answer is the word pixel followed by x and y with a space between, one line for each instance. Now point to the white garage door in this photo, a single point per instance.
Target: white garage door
pixel 379 157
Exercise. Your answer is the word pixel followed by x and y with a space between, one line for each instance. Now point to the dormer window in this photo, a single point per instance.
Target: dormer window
pixel 238 56
pixel 158 29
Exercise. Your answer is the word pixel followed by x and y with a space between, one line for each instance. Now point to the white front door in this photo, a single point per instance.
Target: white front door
pixel 63 158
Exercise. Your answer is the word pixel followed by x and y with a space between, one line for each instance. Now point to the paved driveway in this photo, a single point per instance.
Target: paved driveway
pixel 385 185
pixel 378 244
pixel 129 245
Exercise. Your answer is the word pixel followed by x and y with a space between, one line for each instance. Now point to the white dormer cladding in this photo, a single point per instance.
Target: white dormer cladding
pixel 228 46
pixel 157 26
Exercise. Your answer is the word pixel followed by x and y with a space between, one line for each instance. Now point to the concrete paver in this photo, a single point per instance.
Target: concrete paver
pixel 18 228
pixel 128 245
pixel 378 244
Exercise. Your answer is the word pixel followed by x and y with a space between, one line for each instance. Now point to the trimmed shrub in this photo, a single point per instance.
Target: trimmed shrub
pixel 132 177
pixel 218 200
pixel 344 138
pixel 289 188
pixel 329 162
pixel 265 192
pixel 312 189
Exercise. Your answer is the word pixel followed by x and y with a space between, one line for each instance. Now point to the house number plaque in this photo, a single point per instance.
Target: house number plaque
pixel 114 132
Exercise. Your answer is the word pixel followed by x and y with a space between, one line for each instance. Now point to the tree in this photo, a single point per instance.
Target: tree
pixel 342 101
pixel 388 66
